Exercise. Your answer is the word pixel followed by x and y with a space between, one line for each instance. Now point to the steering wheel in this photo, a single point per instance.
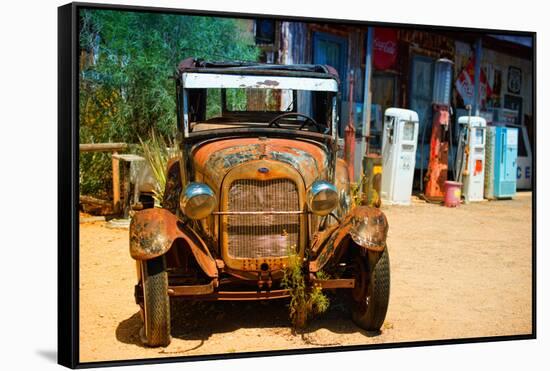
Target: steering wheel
pixel 307 121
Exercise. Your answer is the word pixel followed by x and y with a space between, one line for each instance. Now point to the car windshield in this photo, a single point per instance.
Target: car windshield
pixel 212 108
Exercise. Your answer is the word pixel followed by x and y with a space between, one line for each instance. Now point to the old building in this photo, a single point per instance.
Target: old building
pixel 397 63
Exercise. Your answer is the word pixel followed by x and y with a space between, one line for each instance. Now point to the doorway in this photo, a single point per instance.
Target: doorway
pixel 421 97
pixel 332 50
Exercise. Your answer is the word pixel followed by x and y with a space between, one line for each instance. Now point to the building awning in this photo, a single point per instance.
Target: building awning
pixel 520 40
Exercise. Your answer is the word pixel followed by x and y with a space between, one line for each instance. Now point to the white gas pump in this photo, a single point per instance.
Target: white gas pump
pixel 473 133
pixel 399 141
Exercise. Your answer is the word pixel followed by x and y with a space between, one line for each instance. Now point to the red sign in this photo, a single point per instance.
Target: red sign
pixel 465 85
pixel 384 48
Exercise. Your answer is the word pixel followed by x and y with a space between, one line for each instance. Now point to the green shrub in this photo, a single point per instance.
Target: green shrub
pixel 127 64
pixel 95 174
pixel 157 152
pixel 305 301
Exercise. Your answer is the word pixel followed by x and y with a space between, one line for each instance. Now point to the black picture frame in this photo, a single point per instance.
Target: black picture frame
pixel 68 189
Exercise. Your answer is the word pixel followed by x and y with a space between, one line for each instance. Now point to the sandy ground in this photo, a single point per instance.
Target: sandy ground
pixel 456 273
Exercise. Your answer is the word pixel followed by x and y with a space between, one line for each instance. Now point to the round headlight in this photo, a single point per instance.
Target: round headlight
pixel 322 197
pixel 197 201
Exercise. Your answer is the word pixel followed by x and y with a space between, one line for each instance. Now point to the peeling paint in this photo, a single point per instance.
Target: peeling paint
pixel 215 159
pixel 154 231
pixel 367 227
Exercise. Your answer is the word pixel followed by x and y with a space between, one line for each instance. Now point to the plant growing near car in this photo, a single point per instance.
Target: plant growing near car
pixel 305 301
pixel 356 191
pixel 157 151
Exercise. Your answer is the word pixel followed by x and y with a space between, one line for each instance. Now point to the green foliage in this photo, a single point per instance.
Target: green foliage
pixel 305 301
pixel 236 99
pixel 95 174
pixel 356 190
pixel 127 64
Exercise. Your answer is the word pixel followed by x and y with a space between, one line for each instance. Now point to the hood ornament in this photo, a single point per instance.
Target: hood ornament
pixel 263 170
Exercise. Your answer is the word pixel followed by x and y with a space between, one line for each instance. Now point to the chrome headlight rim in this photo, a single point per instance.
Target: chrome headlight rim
pixel 197 201
pixel 322 188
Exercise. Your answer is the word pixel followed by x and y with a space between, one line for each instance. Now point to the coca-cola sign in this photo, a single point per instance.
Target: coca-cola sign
pixel 465 85
pixel 384 48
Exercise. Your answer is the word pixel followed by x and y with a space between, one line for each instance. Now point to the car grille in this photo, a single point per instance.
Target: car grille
pixel 262 235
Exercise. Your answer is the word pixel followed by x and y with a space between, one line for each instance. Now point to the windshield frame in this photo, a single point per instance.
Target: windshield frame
pixel 191 80
pixel 224 81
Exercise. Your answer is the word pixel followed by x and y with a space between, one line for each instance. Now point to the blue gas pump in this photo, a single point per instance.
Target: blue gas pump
pixel 502 154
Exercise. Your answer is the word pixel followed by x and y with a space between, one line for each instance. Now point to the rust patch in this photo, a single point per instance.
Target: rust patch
pixel 340 283
pixel 268 83
pixel 342 183
pixel 320 238
pixel 173 188
pixel 215 159
pixel 367 227
pixel 149 236
pixel 192 289
pixel 153 232
pixel 243 295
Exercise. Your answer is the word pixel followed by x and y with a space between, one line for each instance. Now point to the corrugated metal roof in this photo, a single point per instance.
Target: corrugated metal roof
pixel 520 40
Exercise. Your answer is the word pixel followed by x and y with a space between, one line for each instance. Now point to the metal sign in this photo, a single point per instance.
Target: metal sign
pixel 514 80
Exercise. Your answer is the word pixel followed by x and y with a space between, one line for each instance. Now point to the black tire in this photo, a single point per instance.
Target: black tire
pixel 369 310
pixel 156 303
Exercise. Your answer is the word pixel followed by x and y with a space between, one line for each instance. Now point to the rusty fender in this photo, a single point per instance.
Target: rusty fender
pixel 154 231
pixel 366 227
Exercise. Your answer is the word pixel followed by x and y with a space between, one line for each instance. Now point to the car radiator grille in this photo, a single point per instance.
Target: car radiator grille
pixel 262 235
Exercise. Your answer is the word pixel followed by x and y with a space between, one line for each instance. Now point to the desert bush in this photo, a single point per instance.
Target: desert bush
pixel 157 151
pixel 305 301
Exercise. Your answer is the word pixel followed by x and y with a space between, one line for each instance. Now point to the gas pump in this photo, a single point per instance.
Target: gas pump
pixel 506 145
pixel 436 174
pixel 399 142
pixel 471 156
pixel 501 162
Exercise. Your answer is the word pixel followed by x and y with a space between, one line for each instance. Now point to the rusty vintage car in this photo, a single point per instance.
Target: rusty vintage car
pixel 257 178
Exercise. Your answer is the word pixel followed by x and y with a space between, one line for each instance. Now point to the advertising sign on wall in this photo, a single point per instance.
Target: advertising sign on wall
pixel 514 80
pixel 465 85
pixel 384 48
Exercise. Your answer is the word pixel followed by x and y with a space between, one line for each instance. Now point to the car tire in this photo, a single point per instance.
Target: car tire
pixel 371 300
pixel 156 303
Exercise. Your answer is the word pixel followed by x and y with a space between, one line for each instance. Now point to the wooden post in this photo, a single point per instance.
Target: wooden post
pixel 116 182
pixel 349 141
pixel 114 148
pixel 367 97
pixel 373 180
pixel 103 147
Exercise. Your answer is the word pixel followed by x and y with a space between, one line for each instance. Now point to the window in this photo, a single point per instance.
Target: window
pixel 408 131
pixel 265 31
pixel 384 90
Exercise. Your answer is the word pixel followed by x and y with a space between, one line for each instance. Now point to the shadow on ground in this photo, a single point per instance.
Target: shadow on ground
pixel 127 331
pixel 200 320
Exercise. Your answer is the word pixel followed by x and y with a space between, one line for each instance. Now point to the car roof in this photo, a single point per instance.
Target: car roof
pixel 253 68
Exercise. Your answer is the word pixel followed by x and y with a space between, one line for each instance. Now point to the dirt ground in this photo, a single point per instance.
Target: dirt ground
pixel 456 273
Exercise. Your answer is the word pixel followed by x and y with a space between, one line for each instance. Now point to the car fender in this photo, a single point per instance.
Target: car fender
pixel 364 228
pixel 154 231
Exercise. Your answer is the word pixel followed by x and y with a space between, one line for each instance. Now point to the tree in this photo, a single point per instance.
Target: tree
pixel 128 60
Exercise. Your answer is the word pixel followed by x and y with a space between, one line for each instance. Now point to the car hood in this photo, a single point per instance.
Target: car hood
pixel 215 159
